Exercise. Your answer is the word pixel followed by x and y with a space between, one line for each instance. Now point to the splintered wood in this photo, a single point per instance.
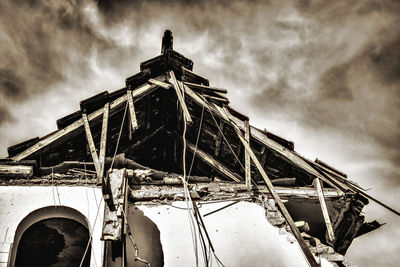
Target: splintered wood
pixel 324 209
pixel 114 207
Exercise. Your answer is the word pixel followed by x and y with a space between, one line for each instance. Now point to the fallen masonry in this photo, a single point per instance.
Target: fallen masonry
pixel 165 172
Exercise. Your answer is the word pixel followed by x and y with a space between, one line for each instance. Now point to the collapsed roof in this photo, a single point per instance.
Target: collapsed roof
pixel 165 108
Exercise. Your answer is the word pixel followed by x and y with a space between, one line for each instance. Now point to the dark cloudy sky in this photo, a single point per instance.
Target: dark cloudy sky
pixel 325 74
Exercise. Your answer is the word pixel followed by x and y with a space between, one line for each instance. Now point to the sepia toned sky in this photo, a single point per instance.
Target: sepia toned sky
pixel 324 74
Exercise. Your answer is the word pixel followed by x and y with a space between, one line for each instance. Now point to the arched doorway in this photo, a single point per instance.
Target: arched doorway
pixel 52 236
pixel 54 242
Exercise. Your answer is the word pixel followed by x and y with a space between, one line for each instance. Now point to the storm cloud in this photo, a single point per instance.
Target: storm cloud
pixel 325 74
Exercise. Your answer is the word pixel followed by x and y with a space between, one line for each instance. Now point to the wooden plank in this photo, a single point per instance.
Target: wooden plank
pixel 306 251
pixel 132 112
pixel 178 91
pixel 16 171
pixel 90 141
pixel 219 100
pixel 159 83
pixel 103 142
pixel 75 128
pixel 247 162
pixel 205 88
pixel 218 166
pixel 324 209
pixel 284 181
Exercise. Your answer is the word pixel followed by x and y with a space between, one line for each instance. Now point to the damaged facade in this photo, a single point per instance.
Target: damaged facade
pixel 165 172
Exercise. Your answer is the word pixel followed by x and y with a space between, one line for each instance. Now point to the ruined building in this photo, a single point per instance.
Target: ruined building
pixel 165 172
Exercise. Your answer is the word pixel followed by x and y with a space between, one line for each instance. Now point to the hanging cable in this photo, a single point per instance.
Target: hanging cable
pixel 90 233
pixel 119 135
pixel 197 140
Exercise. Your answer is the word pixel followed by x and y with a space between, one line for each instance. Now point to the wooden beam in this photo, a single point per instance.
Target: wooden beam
pixel 306 251
pixel 132 112
pixel 218 166
pixel 103 142
pixel 159 83
pixel 204 88
pixel 178 91
pixel 209 160
pixel 247 156
pixel 169 192
pixel 16 171
pixel 284 181
pixel 90 141
pixel 76 128
pixel 324 209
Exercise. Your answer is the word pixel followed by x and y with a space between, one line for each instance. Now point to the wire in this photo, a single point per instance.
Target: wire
pixel 52 187
pixel 186 190
pixel 223 136
pixel 197 140
pixel 119 135
pixel 224 207
pixel 90 233
pixel 193 211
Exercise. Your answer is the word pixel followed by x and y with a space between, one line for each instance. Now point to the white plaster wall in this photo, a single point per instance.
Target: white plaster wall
pixel 16 202
pixel 241 235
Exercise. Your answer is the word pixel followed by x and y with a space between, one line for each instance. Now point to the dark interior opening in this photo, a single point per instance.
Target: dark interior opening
pixel 54 242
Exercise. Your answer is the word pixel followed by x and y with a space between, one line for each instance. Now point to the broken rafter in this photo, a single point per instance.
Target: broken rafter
pixel 364 194
pixel 209 160
pixel 181 99
pixel 75 128
pixel 92 147
pixel 324 210
pixel 307 253
pixel 216 165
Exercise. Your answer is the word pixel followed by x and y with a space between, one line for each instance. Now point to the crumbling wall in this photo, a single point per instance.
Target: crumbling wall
pixel 241 235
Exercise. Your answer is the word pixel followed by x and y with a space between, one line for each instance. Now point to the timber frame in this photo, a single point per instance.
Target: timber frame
pixel 163 109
